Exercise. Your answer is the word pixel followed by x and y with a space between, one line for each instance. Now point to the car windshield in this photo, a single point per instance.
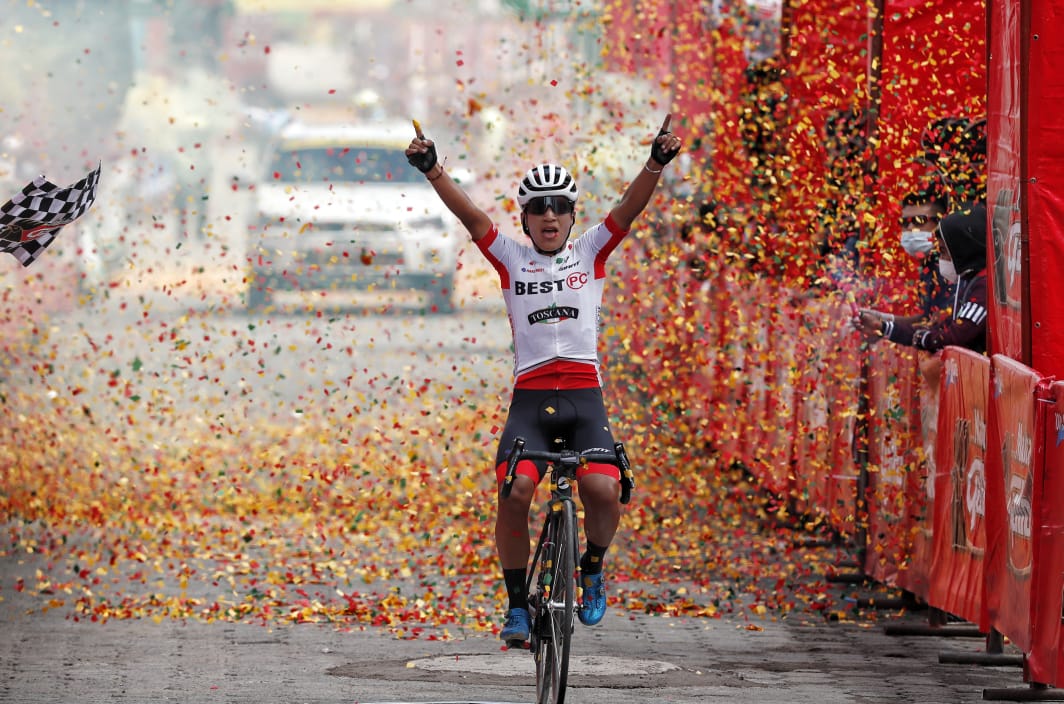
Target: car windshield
pixel 343 165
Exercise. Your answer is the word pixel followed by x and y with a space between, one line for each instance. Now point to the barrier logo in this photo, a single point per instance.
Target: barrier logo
pixel 1016 454
pixel 975 505
pixel 953 372
pixel 1007 255
pixel 968 484
pixel 1014 262
pixel 968 504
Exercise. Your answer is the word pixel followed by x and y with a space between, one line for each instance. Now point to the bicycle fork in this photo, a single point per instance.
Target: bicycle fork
pixel 550 594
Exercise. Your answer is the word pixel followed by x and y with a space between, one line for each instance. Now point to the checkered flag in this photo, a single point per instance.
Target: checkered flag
pixel 30 221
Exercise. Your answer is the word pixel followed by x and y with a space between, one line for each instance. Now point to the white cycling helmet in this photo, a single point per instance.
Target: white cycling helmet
pixel 546 180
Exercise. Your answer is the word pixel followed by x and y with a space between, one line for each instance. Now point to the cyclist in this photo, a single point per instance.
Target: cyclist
pixel 553 292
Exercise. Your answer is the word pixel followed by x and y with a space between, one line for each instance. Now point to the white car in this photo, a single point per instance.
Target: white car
pixel 339 207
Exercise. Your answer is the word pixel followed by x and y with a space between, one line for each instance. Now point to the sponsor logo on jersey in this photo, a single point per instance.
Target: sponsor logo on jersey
pixel 531 288
pixel 576 280
pixel 554 314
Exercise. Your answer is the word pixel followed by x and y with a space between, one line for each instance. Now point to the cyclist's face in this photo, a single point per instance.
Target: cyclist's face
pixel 548 231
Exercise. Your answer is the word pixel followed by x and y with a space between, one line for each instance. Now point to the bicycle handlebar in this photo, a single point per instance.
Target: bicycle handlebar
pixel 618 458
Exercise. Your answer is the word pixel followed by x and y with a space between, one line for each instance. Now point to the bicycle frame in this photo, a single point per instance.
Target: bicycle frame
pixel 551 584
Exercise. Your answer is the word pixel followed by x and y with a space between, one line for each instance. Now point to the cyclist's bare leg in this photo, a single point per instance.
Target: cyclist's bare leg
pixel 511 524
pixel 600 496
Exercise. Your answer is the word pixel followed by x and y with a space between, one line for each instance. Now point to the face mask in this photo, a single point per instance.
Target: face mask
pixel 948 271
pixel 916 242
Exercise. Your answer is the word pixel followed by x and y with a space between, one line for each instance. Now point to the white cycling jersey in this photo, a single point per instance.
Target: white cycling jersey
pixel 553 300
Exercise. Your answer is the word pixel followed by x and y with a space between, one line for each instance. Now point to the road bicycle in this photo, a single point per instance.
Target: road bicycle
pixel 552 581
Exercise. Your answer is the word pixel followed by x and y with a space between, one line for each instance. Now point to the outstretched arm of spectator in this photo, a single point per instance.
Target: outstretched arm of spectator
pixel 965 328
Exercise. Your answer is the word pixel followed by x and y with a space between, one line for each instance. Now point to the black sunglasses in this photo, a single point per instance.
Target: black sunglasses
pixel 919 220
pixel 559 204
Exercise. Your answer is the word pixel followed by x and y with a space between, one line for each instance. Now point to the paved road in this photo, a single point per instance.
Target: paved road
pixel 628 658
pixel 190 350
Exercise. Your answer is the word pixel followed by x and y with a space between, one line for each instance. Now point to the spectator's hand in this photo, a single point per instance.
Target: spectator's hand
pixel 422 152
pixel 931 368
pixel 666 145
pixel 870 322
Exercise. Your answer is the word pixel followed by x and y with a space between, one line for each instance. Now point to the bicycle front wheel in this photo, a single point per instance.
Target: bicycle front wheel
pixel 557 606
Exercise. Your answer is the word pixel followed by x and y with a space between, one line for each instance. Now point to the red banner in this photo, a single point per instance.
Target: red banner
pixel 960 487
pixel 1005 256
pixel 1009 493
pixel 1044 179
pixel 1045 662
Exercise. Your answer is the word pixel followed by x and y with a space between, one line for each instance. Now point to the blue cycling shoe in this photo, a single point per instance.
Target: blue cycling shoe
pixel 593 600
pixel 517 627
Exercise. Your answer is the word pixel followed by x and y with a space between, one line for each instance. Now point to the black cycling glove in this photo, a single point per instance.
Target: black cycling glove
pixel 658 153
pixel 423 161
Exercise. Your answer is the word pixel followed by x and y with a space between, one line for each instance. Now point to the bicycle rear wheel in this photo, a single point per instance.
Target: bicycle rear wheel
pixel 556 610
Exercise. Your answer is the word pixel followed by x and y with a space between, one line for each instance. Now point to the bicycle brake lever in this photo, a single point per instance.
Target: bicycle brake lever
pixel 627 478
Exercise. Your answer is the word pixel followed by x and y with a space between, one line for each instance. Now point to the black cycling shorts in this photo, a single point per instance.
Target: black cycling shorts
pixel 552 420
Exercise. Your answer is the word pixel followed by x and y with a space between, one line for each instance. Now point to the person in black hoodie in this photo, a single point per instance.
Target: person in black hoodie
pixel 961 238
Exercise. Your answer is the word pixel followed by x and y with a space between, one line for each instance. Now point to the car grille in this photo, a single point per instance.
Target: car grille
pixel 366 228
pixel 354 256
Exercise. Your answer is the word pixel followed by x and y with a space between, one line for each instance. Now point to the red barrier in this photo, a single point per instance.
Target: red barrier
pixel 764 416
pixel 756 372
pixel 771 419
pixel 811 464
pixel 826 406
pixel 1009 495
pixel 1045 662
pixel 960 487
pixel 920 494
pixel 727 390
pixel 893 454
pixel 698 383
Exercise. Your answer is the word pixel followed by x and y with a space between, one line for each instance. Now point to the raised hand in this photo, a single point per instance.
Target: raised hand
pixel 422 152
pixel 666 145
